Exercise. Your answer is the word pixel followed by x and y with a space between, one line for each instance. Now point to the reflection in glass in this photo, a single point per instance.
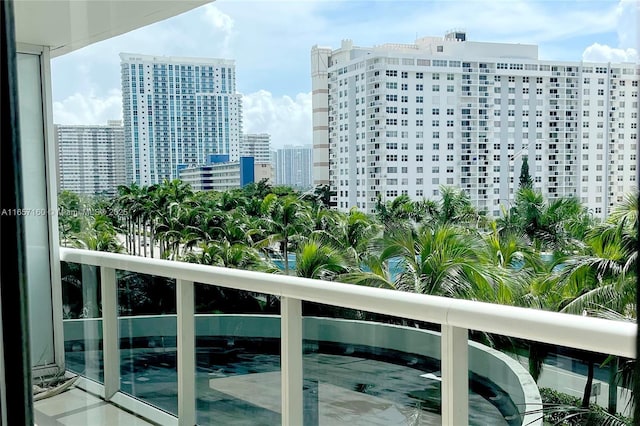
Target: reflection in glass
pixel 237 357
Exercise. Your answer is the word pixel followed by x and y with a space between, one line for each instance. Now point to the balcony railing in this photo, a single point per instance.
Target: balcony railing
pixel 455 317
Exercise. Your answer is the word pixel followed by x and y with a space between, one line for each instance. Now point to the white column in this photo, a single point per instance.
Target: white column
pixel 110 338
pixel 455 376
pixel 291 361
pixel 186 353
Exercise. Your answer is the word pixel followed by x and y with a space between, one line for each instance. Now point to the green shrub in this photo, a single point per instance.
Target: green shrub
pixel 565 410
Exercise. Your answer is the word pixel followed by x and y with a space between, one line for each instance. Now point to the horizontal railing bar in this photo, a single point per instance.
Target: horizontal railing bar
pixel 586 333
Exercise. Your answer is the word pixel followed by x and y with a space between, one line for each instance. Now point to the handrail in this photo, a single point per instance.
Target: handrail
pixel 587 333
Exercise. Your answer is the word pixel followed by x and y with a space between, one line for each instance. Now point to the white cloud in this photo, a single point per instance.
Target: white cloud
pixel 627 15
pixel 88 109
pixel 625 18
pixel 221 23
pixel 286 119
pixel 602 53
pixel 218 19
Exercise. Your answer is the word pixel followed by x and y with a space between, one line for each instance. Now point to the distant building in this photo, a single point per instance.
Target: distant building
pixel 177 112
pixel 294 166
pixel 404 119
pixel 91 158
pixel 258 146
pixel 219 174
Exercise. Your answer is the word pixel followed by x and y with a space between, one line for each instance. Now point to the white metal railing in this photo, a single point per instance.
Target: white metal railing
pixel 455 316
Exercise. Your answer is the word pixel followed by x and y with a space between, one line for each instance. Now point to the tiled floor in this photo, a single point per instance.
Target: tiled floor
pixel 78 408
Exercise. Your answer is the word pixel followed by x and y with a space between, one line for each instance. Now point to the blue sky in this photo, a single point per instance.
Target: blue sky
pixel 271 41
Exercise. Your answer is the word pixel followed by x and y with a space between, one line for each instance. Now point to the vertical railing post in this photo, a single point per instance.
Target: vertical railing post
pixel 455 376
pixel 110 335
pixel 186 341
pixel 291 361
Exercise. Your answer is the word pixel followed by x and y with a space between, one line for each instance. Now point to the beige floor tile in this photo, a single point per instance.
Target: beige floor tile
pixel 78 408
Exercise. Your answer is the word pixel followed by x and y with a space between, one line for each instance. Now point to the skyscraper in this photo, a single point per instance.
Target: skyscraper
pixel 294 166
pixel 177 112
pixel 90 158
pixel 407 118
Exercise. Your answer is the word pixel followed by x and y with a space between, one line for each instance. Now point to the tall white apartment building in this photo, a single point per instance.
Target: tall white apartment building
pixel 258 146
pixel 294 166
pixel 90 158
pixel 407 118
pixel 177 112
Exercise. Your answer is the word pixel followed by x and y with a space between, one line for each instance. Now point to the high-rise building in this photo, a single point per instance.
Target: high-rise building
pixel 258 146
pixel 177 112
pixel 294 166
pixel 90 158
pixel 407 118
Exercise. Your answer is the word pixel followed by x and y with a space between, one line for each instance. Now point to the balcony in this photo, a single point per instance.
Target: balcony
pixel 387 355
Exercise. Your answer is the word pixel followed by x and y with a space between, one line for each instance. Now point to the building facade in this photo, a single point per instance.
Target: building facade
pixel 219 174
pixel 258 146
pixel 177 112
pixel 408 118
pixel 294 166
pixel 91 159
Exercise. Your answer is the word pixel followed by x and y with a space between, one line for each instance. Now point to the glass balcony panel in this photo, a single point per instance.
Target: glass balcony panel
pixel 360 367
pixel 238 372
pixel 82 322
pixel 548 383
pixel 147 319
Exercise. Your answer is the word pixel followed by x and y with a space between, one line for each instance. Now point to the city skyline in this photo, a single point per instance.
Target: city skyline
pixel 273 54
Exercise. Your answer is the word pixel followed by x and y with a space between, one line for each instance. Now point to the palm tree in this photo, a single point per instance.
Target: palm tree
pixel 558 225
pixel 286 218
pixel 374 271
pixel 442 260
pixel 455 207
pixel 135 204
pixel 228 255
pixel 319 261
pixel 604 277
pixel 320 195
pixel 602 280
pixel 515 260
pixel 69 220
pixel 98 234
pixel 350 233
pixel 397 214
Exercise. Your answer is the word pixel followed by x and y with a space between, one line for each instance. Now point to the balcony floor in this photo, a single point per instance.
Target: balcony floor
pixel 241 388
pixel 76 407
